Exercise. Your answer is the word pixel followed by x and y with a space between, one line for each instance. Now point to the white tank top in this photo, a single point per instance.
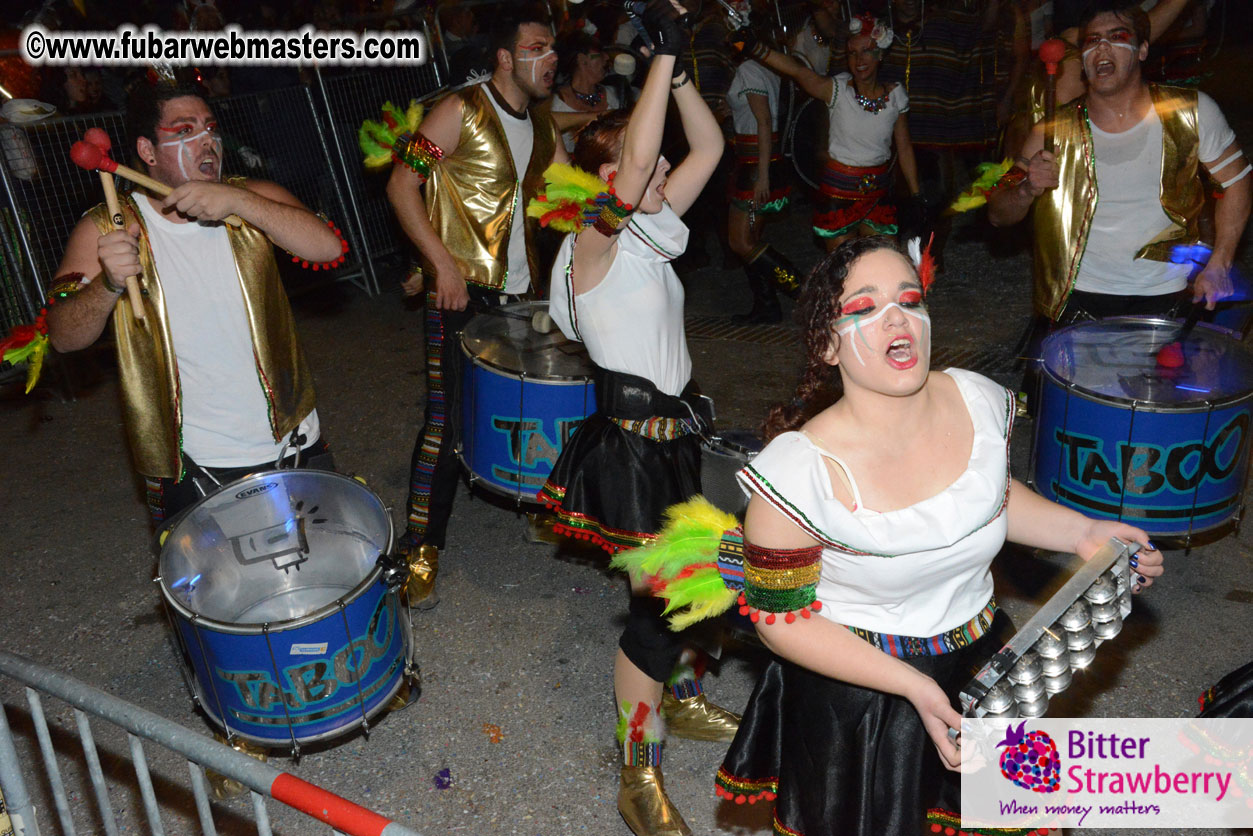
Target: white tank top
pixel 226 419
pixel 521 138
pixel 632 321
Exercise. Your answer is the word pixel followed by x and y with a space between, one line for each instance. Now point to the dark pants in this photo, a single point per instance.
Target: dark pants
pixel 167 497
pixel 433 468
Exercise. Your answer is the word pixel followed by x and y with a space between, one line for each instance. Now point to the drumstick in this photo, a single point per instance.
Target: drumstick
pixel 100 139
pixel 1051 53
pixel 89 156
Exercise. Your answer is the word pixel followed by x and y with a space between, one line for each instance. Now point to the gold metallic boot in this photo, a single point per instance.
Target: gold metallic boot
pixel 696 718
pixel 224 788
pixel 423 567
pixel 644 806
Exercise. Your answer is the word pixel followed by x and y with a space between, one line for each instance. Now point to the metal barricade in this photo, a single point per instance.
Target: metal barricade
pixel 342 817
pixel 275 135
pixel 46 194
pixel 348 100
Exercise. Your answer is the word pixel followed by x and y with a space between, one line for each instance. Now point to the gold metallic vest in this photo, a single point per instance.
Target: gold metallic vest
pixel 1063 216
pixel 151 396
pixel 472 193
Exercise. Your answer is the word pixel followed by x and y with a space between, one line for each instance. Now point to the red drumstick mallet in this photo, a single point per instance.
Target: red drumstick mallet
pixel 95 147
pixel 1051 53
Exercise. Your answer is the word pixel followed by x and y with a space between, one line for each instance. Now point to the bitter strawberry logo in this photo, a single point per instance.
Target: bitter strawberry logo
pixel 1030 759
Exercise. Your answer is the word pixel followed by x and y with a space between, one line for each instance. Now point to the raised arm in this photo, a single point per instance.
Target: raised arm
pixel 442 127
pixel 704 138
pixel 830 649
pixel 818 86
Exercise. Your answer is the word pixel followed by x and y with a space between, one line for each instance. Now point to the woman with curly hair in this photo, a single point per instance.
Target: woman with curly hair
pixel 868 541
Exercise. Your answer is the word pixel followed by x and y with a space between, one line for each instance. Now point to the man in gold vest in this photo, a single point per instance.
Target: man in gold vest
pixel 214 384
pixel 1117 204
pixel 480 153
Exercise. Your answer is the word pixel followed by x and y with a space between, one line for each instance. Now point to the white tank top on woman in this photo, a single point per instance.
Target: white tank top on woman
pixel 226 419
pixel 632 321
pixel 857 136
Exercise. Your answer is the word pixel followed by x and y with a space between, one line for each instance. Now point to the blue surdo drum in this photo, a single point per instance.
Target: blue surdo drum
pixel 1120 437
pixel 525 390
pixel 280 606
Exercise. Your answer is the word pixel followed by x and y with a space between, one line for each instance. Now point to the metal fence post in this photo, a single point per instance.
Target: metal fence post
pixel 367 259
pixel 21 811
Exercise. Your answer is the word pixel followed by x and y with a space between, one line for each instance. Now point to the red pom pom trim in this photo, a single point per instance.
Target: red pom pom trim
pixel 754 614
pixel 326 265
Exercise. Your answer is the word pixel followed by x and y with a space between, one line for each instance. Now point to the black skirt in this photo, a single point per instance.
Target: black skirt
pixel 611 486
pixel 842 759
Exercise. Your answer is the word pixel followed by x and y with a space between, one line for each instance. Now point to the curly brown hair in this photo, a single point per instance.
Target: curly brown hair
pixel 816 311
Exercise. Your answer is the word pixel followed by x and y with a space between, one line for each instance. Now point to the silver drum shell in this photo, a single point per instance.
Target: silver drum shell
pixel 998 699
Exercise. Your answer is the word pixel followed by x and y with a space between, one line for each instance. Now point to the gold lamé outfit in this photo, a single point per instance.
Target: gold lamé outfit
pixel 473 192
pixel 1063 216
pixel 151 395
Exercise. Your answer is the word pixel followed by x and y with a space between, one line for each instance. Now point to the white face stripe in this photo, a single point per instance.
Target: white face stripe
pixel 1108 42
pixel 535 59
pixel 919 314
pixel 185 142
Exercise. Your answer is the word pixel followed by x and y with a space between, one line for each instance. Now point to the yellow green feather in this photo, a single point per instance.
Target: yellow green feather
pixel 987 176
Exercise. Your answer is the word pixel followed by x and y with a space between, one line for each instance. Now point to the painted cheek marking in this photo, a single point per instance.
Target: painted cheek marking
pixel 534 59
pixel 1119 44
pixel 858 321
pixel 184 142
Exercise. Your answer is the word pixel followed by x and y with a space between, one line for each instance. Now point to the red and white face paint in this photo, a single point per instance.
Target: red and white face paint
pixel 861 312
pixel 197 151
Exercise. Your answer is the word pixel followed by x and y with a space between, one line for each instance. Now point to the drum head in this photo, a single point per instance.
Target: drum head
pixel 274 547
pixel 503 338
pixel 1116 360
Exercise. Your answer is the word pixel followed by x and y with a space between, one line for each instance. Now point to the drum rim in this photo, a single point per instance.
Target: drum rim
pixel 256 628
pixel 513 373
pixel 554 380
pixel 1139 405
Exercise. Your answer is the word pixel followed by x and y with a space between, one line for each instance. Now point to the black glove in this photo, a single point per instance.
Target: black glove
pixel 746 42
pixel 666 29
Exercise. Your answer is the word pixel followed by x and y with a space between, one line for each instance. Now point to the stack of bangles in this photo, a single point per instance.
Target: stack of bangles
pixel 612 215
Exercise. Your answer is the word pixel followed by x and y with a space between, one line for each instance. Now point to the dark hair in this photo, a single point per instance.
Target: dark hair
pixel 1130 12
pixel 816 311
pixel 143 110
pixel 504 30
pixel 600 141
pixel 571 47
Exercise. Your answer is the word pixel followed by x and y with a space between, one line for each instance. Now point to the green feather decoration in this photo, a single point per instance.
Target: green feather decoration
pixel 376 139
pixel 689 537
pixel 697 597
pixel 987 176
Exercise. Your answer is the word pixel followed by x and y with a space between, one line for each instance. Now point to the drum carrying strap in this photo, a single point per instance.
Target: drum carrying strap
pixel 634 398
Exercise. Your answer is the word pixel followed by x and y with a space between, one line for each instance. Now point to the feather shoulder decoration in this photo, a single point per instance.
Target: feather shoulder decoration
pixel 571 200
pixel 693 562
pixel 987 175
pixel 377 138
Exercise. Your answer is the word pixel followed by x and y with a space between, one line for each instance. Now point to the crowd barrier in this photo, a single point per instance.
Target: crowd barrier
pixel 145 733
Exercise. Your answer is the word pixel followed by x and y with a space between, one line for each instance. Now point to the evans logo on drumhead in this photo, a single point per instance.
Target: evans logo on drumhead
pixel 247 492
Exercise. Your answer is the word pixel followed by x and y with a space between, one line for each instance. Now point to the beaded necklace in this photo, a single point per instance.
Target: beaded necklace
pixel 592 99
pixel 870 105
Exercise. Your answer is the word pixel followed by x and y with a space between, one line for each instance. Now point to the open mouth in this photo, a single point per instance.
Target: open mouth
pixel 208 165
pixel 901 354
pixel 1104 67
pixel 548 78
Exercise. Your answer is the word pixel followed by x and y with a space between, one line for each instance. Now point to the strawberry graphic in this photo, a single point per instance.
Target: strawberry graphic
pixel 1030 759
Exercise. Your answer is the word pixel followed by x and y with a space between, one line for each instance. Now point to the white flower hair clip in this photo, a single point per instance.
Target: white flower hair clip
pixel 879 31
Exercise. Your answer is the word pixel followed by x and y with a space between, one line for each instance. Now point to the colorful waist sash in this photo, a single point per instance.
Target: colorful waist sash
pixel 853 182
pixel 905 646
pixel 745 147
